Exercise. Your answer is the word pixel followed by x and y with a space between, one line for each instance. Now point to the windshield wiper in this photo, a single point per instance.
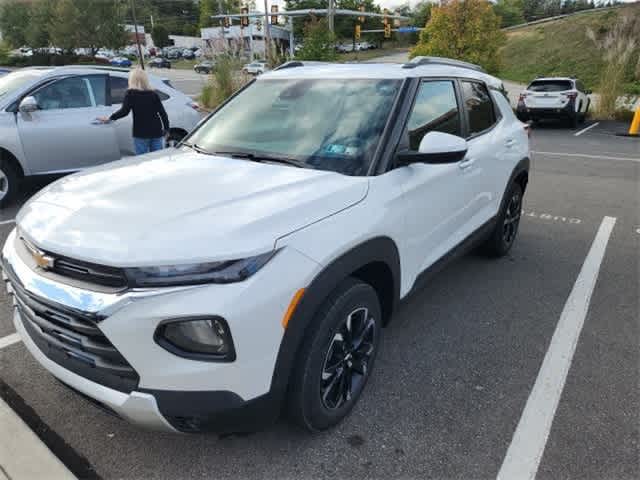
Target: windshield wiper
pixel 197 148
pixel 259 157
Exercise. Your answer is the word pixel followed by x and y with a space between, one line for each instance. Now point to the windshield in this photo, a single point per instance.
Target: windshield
pixel 550 86
pixel 327 124
pixel 16 80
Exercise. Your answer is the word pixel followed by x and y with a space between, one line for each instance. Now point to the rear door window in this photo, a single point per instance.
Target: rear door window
pixel 550 86
pixel 480 111
pixel 119 88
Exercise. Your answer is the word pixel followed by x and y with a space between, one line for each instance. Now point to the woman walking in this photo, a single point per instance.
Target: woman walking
pixel 150 120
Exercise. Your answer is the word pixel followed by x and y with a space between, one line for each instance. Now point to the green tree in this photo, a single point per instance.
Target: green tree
pixel 37 31
pixel 463 29
pixel 65 25
pixel 160 36
pixel 511 12
pixel 14 20
pixel 101 24
pixel 318 43
pixel 299 22
pixel 532 9
pixel 215 7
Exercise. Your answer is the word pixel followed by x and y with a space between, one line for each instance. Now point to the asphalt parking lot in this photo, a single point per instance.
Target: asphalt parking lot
pixel 458 363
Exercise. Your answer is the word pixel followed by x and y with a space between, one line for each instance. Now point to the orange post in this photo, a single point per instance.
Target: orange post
pixel 634 129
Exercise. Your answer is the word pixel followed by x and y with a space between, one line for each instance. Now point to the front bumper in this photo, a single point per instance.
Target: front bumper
pixel 173 393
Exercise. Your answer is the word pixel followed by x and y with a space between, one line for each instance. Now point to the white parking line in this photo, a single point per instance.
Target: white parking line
pixel 529 440
pixel 7 222
pixel 9 340
pixel 602 157
pixel 577 134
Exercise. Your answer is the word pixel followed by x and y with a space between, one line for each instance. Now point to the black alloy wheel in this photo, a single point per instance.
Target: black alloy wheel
pixel 337 356
pixel 512 218
pixel 346 365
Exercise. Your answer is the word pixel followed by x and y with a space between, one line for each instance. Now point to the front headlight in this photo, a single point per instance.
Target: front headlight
pixel 212 272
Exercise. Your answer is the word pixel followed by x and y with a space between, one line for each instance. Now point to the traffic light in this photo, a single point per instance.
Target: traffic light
pixel 387 24
pixel 259 24
pixel 361 18
pixel 227 22
pixel 357 32
pixel 274 18
pixel 244 21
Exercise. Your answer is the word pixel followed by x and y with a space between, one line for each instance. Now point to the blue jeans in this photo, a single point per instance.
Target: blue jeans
pixel 146 145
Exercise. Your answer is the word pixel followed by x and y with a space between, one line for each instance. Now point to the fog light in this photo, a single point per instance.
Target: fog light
pixel 197 338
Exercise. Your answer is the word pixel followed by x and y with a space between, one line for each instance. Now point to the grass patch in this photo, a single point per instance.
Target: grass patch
pixel 562 48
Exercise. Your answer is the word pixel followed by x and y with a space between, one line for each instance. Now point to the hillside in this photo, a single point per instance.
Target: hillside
pixel 561 47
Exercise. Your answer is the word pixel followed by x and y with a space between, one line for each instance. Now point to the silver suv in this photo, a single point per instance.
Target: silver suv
pixel 554 97
pixel 47 121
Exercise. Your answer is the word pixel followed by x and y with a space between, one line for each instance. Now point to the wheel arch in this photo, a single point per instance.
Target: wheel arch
pixel 12 159
pixel 376 262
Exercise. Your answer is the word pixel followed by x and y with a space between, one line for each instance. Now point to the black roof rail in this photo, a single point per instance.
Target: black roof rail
pixel 290 64
pixel 299 63
pixel 420 61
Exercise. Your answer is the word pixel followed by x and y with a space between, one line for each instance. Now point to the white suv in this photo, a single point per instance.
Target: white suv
pixel 557 97
pixel 204 287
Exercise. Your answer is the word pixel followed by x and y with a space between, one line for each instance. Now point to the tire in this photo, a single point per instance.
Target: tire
pixel 574 120
pixel 327 380
pixel 504 234
pixel 9 182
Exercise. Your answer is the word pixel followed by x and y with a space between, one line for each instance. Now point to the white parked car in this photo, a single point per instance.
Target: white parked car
pixel 47 121
pixel 554 97
pixel 202 288
pixel 257 67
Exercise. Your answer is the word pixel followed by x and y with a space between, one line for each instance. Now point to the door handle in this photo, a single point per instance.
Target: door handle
pixel 510 143
pixel 466 163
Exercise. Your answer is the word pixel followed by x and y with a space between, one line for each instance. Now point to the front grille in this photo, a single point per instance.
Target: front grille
pixel 91 273
pixel 71 338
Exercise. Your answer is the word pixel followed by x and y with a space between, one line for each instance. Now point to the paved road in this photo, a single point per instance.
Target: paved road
pixel 457 363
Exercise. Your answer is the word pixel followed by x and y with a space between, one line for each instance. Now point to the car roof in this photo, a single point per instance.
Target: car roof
pixel 544 79
pixel 88 69
pixel 378 71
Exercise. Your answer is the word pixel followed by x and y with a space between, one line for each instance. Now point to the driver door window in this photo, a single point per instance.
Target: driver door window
pixel 73 92
pixel 435 110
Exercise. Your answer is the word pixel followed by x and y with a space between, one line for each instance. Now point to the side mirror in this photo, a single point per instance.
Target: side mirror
pixel 436 147
pixel 28 105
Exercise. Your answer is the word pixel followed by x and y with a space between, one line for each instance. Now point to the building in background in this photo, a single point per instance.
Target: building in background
pixel 248 41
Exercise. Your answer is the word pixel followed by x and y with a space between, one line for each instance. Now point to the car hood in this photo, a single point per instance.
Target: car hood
pixel 167 208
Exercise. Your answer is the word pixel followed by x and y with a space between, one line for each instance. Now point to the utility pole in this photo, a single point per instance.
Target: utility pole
pixel 152 24
pixel 331 14
pixel 267 34
pixel 135 29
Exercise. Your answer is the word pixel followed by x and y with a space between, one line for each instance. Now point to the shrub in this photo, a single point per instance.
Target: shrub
pixel 617 47
pixel 225 80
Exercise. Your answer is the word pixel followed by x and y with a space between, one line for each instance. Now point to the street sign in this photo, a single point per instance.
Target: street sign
pixel 407 29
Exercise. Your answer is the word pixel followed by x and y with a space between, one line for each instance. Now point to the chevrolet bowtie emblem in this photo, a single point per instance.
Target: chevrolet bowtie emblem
pixel 42 260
